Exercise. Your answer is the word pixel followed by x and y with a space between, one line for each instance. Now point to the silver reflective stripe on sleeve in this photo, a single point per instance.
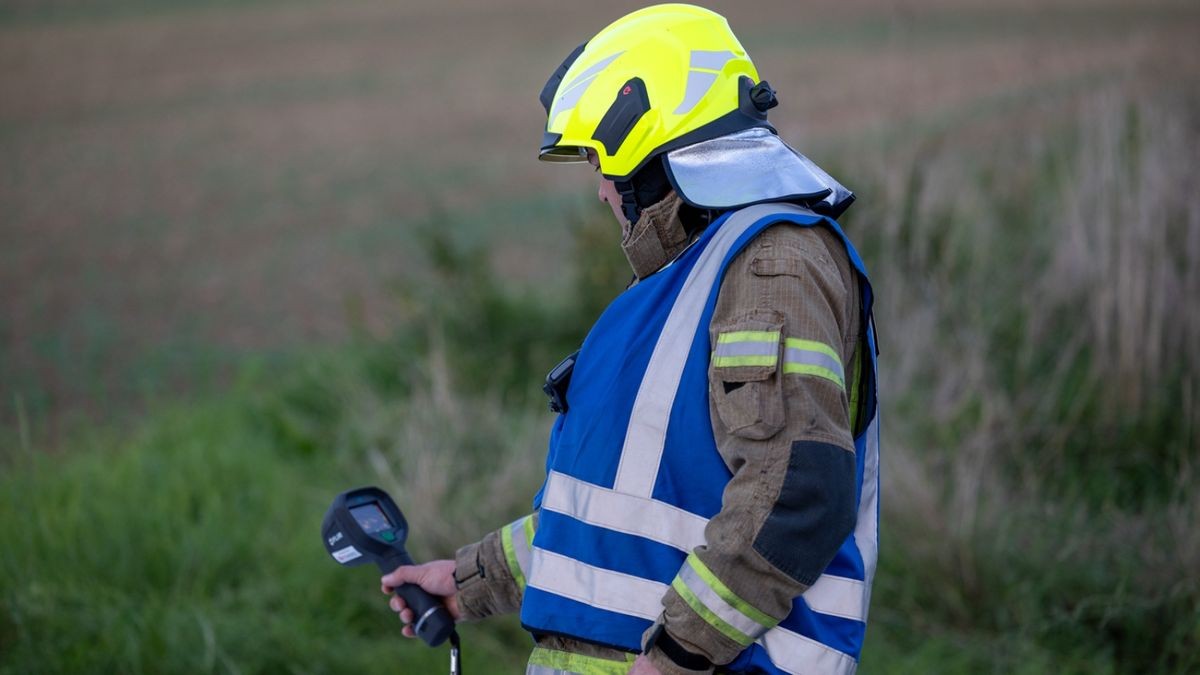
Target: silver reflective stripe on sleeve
pixel 516 539
pixel 522 542
pixel 795 653
pixel 646 436
pixel 745 629
pixel 649 518
pixel 746 349
pixel 801 356
pixel 809 357
pixel 595 586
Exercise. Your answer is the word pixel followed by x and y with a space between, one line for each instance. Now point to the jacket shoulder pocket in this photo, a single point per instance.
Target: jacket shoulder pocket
pixel 743 376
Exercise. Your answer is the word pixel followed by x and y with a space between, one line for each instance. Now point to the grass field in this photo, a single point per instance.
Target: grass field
pixel 249 251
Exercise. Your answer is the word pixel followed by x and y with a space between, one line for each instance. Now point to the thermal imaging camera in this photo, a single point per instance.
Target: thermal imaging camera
pixel 363 526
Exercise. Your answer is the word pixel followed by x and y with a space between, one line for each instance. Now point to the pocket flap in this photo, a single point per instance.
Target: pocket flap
pixel 744 381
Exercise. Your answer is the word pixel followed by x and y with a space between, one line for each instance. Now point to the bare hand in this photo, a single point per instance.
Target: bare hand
pixel 436 577
pixel 643 666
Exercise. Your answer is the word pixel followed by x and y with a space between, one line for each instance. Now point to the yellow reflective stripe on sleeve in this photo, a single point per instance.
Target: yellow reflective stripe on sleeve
pixel 553 662
pixel 720 607
pixel 511 556
pixel 746 348
pixel 854 387
pixel 708 615
pixel 528 527
pixel 517 540
pixel 802 369
pixel 729 596
pixel 813 346
pixel 748 336
pixel 808 357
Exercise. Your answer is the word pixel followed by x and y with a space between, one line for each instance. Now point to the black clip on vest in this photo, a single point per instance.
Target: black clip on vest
pixel 557 381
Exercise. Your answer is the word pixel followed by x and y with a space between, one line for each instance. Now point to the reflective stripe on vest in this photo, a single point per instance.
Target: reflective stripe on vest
pixel 866 530
pixel 596 586
pixel 666 524
pixel 797 654
pixel 603 507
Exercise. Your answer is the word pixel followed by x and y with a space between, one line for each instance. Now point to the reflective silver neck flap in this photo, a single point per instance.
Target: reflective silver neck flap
pixel 749 167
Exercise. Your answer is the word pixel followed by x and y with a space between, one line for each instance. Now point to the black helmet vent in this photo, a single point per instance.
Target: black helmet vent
pixel 631 103
pixel 548 91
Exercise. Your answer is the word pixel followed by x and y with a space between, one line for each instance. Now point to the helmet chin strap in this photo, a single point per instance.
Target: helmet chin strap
pixel 644 189
pixel 629 205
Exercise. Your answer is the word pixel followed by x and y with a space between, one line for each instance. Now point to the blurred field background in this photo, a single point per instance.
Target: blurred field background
pixel 254 253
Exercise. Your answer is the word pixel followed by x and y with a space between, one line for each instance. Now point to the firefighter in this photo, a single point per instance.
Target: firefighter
pixel 711 496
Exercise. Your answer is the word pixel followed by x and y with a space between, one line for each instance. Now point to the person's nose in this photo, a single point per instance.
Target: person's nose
pixel 600 194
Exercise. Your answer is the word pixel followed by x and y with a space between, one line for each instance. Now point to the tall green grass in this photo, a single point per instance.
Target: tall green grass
pixel 1040 376
pixel 1040 349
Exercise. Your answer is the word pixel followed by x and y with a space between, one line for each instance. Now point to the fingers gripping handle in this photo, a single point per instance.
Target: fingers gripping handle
pixel 431 621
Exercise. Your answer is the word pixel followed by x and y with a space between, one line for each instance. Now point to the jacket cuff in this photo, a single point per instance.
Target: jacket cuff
pixel 485 585
pixel 667 661
pixel 705 617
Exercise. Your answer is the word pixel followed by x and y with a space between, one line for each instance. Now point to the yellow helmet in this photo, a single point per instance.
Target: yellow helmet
pixel 660 78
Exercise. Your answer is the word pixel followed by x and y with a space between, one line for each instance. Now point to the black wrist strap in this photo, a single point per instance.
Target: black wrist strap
pixel 675 651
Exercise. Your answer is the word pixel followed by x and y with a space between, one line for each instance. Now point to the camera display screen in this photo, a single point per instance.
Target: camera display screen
pixel 371 518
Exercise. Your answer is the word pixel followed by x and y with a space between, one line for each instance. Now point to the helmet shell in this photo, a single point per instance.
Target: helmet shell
pixel 658 78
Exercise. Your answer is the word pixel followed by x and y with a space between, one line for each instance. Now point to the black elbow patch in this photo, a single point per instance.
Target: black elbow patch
pixel 815 511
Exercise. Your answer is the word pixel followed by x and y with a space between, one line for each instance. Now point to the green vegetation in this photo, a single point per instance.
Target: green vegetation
pixel 1042 367
pixel 189 548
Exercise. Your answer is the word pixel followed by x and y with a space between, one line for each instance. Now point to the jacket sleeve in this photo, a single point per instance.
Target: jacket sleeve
pixel 490 574
pixel 784 335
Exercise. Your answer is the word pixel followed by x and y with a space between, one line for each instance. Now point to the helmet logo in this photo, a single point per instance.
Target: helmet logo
pixel 627 90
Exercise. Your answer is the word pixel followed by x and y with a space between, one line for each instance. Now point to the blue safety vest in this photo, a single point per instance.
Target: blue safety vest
pixel 633 475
